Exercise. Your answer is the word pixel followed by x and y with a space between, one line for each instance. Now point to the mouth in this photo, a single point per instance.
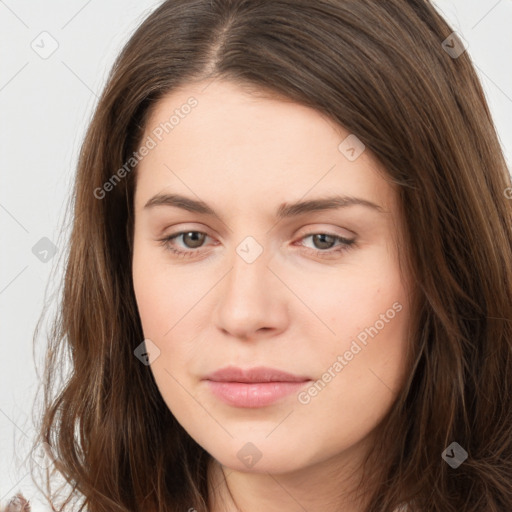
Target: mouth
pixel 253 387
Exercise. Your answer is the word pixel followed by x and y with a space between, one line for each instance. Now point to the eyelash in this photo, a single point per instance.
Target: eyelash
pixel 347 244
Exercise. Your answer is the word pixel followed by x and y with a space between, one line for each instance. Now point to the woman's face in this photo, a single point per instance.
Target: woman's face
pixel 261 278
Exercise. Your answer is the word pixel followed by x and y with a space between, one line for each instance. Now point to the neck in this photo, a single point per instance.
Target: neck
pixel 328 486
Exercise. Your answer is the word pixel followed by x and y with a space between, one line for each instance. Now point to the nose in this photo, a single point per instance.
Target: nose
pixel 252 301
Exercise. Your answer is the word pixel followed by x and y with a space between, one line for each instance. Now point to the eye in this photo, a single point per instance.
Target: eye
pixel 326 242
pixel 193 240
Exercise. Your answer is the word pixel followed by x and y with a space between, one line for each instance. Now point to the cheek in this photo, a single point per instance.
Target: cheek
pixel 354 296
pixel 161 293
pixel 361 370
pixel 152 303
pixel 162 302
pixel 365 315
pixel 373 341
pixel 153 294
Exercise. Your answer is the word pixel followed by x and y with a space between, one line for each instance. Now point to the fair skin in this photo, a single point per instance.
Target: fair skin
pixel 297 307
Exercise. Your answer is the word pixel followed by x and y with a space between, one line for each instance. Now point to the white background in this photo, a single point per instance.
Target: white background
pixel 45 106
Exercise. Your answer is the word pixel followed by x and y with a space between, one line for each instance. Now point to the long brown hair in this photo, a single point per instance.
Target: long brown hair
pixel 383 71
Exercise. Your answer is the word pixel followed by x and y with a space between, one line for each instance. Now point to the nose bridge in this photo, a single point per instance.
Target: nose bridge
pixel 250 250
pixel 249 272
pixel 248 298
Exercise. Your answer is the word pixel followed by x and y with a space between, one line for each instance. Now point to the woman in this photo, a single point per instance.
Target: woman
pixel 289 283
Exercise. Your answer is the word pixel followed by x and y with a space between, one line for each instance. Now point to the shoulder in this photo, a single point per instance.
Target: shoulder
pixel 18 503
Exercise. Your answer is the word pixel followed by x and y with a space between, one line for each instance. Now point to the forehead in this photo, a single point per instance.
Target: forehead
pixel 221 141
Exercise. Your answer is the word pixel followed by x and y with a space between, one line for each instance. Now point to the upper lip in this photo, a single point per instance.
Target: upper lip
pixel 257 374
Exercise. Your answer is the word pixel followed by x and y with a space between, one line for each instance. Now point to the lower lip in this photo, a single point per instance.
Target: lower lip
pixel 253 394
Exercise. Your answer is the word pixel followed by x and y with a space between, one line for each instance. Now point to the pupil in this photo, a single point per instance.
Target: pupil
pixel 197 242
pixel 322 237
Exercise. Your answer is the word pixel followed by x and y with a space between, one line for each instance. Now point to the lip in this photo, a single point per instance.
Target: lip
pixel 253 387
pixel 256 374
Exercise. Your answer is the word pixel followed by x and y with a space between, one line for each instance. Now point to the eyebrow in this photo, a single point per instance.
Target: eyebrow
pixel 285 210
